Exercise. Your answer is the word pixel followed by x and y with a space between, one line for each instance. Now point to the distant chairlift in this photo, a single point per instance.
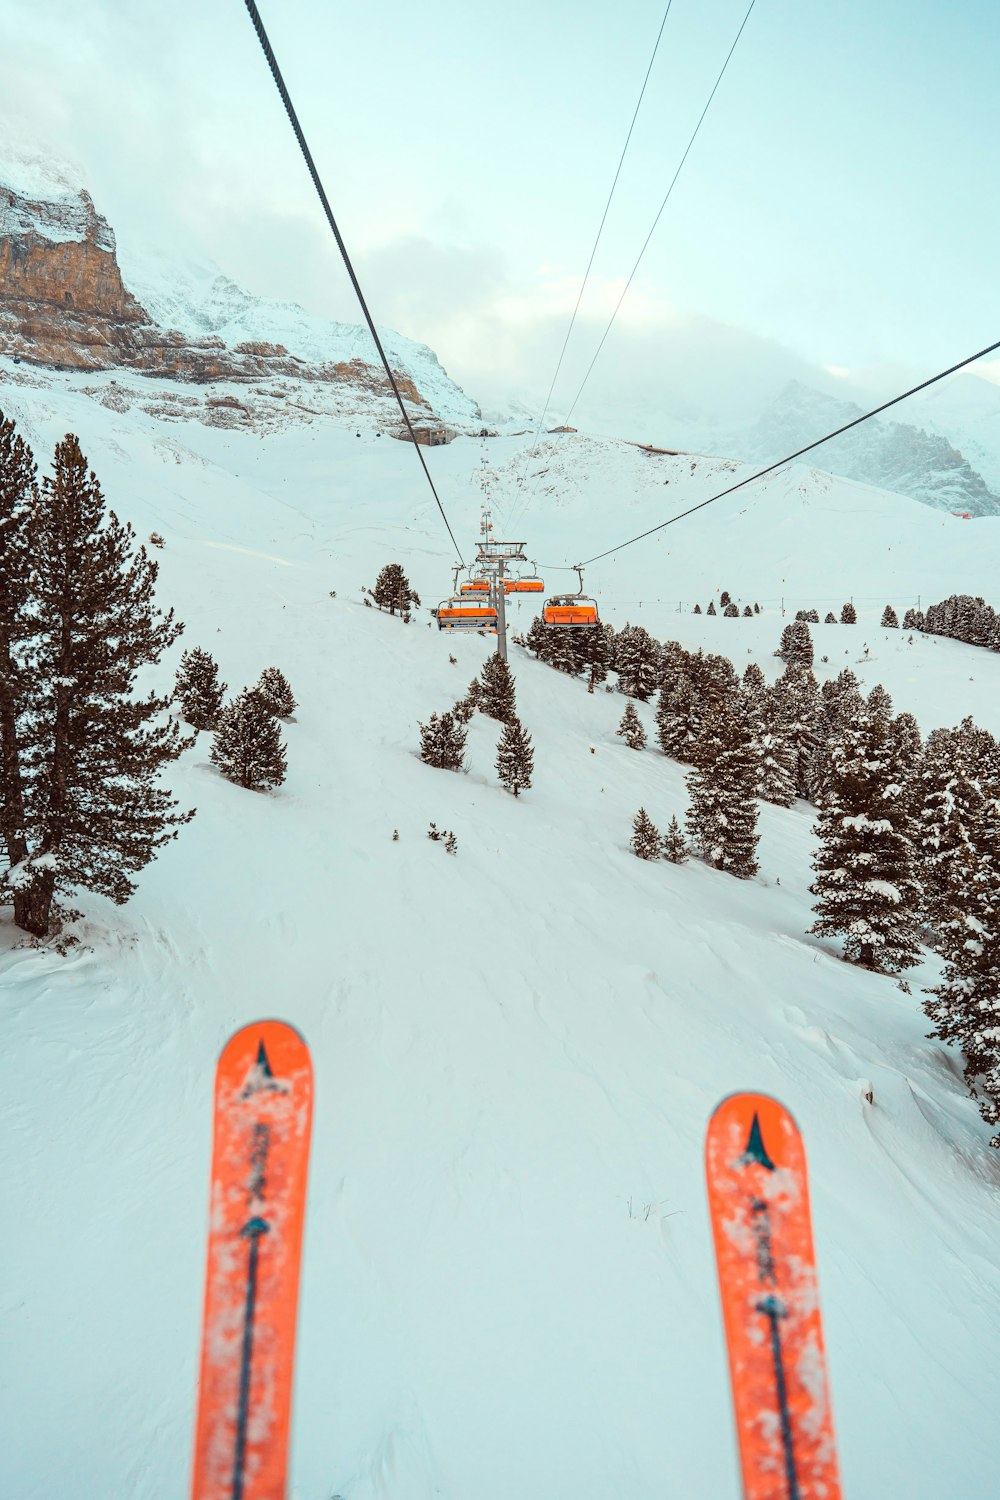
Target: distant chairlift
pixel 571 611
pixel 528 585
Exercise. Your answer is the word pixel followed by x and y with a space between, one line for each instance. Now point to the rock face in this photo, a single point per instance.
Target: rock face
pixel 893 455
pixel 64 305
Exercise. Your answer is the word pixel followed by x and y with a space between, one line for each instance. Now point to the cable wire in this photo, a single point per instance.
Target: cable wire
pixel 666 200
pixel 597 241
pixel 865 417
pixel 262 37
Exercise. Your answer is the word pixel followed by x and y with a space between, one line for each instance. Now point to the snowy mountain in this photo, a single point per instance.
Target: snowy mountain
pixel 508 1281
pixel 64 304
pixel 889 454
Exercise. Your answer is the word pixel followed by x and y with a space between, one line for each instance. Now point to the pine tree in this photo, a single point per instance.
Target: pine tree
pixel 831 618
pixel 198 690
pixel 722 819
pixel 848 615
pixel 673 845
pixel 247 745
pixel 747 612
pixel 85 775
pixel 675 719
pixel 731 612
pixel 637 662
pixel 496 689
pixel 711 610
pixel 778 758
pixel 392 590
pixel 865 887
pixel 725 598
pixel 18 630
pixel 273 686
pixel 890 619
pixel 442 742
pixel 646 841
pixel 840 703
pixel 797 710
pixel 515 756
pixel 796 646
pixel 631 729
pixel 697 609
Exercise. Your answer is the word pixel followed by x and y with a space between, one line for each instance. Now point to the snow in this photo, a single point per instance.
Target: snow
pixel 508 1282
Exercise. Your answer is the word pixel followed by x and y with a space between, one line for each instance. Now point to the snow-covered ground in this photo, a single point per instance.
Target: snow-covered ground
pixel 508 1283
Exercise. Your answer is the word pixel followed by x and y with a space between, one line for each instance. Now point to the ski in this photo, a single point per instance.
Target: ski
pixel 759 1199
pixel 260 1158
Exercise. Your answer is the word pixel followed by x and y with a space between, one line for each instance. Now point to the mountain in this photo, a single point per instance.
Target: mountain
pixel 66 305
pixel 508 1283
pixel 891 455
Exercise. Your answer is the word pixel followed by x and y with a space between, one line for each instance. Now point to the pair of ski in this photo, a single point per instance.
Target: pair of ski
pixel 758 1196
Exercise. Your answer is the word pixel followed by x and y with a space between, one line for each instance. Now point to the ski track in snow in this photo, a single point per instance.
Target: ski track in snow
pixel 508 1283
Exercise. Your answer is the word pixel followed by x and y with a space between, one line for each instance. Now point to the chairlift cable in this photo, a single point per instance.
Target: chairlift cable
pixel 789 458
pixel 597 241
pixel 272 61
pixel 666 200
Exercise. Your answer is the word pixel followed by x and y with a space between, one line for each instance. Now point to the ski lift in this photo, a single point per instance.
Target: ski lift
pixel 571 611
pixel 530 584
pixel 467 613
pixel 475 586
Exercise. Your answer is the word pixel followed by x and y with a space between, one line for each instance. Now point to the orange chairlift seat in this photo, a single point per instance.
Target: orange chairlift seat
pixel 466 614
pixel 475 586
pixel 571 611
pixel 523 586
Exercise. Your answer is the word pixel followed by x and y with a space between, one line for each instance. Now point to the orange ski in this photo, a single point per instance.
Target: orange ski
pixel 759 1198
pixel 260 1156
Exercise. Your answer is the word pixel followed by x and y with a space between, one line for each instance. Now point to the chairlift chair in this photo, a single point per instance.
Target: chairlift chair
pixel 571 611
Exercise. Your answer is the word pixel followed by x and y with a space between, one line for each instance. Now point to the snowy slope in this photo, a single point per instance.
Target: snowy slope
pixel 508 1285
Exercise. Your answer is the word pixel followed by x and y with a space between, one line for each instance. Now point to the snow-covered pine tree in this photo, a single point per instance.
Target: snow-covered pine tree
pixel 890 619
pixel 950 790
pixel 392 590
pixel 674 845
pixel 831 618
pixel 496 689
pixel 722 819
pixel 273 686
pixel 18 629
pixel 711 610
pixel 865 885
pixel 755 695
pixel 198 690
pixel 747 612
pixel 697 609
pixel 777 760
pixel 725 598
pixel 840 701
pixel 637 662
pixel 848 615
pixel 515 756
pixel 731 612
pixel 630 729
pixel 645 841
pixel 796 646
pixel 675 719
pixel 797 705
pixel 247 745
pixel 93 814
pixel 442 742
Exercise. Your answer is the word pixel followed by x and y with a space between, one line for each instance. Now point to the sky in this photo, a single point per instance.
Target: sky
pixel 836 213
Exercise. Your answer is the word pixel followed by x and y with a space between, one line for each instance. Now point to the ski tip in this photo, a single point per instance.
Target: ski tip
pixel 760 1123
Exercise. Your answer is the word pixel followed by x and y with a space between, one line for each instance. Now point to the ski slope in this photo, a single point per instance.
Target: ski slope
pixel 508 1283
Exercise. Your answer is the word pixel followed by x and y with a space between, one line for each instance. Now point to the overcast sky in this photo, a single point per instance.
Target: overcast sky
pixel 839 208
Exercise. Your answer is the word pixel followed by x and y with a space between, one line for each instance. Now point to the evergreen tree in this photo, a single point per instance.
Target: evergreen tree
pixel 722 819
pixel 637 662
pixel 631 729
pixel 675 719
pixel 247 745
pixel 711 610
pixel 831 618
pixel 755 696
pixel 442 742
pixel 515 756
pixel 747 612
pixel 950 800
pixel 890 619
pixel 496 689
pixel 796 646
pixel 85 788
pixel 840 702
pixel 392 590
pixel 797 710
pixel 865 887
pixel 725 598
pixel 646 841
pixel 198 690
pixel 697 609
pixel 18 630
pixel 848 615
pixel 731 612
pixel 274 688
pixel 673 845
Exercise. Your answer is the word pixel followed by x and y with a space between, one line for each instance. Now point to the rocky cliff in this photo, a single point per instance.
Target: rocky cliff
pixel 64 305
